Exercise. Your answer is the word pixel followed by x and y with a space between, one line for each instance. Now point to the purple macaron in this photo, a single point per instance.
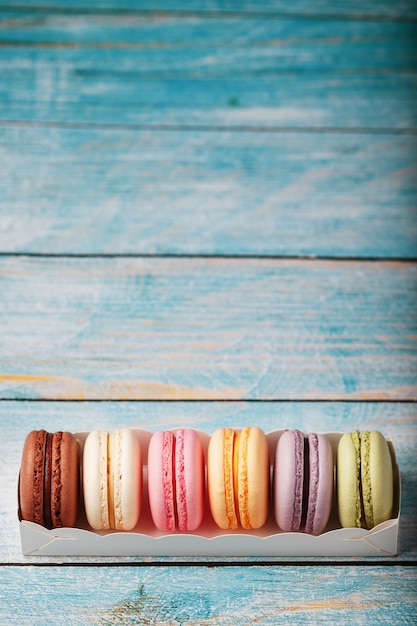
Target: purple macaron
pixel 303 482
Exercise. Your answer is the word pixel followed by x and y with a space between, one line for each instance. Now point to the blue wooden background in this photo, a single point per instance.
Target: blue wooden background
pixel 208 217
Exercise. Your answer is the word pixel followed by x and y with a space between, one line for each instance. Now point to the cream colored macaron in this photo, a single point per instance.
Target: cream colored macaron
pixel 112 479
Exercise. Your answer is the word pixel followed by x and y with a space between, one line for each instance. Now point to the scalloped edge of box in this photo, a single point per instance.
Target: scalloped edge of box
pixel 380 541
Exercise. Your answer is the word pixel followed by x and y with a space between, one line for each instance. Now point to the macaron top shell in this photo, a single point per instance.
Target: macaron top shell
pixel 125 479
pixel 161 481
pixel 31 492
pixel 64 480
pixel 377 478
pixel 221 479
pixel 288 480
pixel 238 478
pixel 95 480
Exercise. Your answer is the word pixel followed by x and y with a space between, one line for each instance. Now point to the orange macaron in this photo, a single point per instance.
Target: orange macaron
pixel 238 478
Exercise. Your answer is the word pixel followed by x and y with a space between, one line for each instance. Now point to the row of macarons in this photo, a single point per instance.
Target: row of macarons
pixel 235 474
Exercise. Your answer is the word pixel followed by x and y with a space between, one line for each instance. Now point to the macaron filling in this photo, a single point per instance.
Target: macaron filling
pixel 359 501
pixel 300 491
pixel 47 517
pixel 179 488
pixel 241 493
pixel 168 460
pixel 229 478
pixel 47 480
pixel 366 483
pixel 305 487
pixel 55 491
pixel 114 479
pixel 364 511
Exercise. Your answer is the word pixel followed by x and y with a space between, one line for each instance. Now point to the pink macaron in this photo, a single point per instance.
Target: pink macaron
pixel 303 482
pixel 176 480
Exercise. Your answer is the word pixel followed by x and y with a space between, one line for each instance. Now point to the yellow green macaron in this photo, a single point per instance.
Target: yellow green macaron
pixel 364 479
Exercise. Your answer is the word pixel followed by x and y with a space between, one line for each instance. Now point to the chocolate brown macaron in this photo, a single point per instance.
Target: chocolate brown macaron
pixel 49 481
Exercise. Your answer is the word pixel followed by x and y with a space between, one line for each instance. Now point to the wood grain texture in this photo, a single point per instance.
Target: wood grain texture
pixel 353 9
pixel 118 191
pixel 206 596
pixel 208 71
pixel 207 329
pixel 86 90
pixel 190 45
pixel 398 421
pixel 320 102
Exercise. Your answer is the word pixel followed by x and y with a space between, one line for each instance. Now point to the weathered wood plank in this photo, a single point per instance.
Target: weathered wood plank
pixel 172 328
pixel 209 71
pixel 100 191
pixel 351 8
pixel 203 595
pixel 189 70
pixel 398 421
pixel 181 44
pixel 207 329
pixel 47 93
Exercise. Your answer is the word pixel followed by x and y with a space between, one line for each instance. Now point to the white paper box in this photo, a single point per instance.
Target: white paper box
pixel 209 540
